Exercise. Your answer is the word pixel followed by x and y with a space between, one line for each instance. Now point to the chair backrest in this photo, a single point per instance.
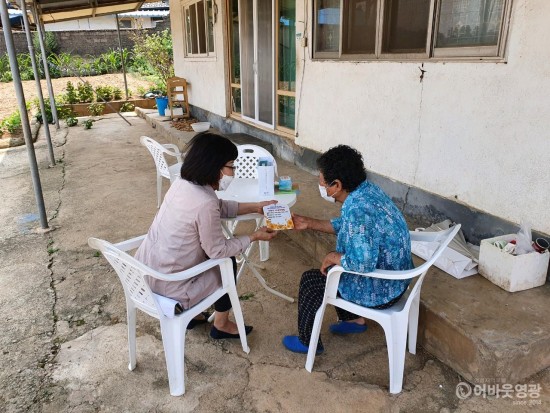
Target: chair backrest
pixel 443 237
pixel 157 151
pixel 247 161
pixel 131 274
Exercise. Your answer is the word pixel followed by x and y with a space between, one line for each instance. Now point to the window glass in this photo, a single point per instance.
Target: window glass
pixel 201 27
pixel 234 42
pixel 193 28
pixel 359 34
pixel 469 23
pixel 406 25
pixel 210 20
pixel 286 111
pixel 327 26
pixel 287 45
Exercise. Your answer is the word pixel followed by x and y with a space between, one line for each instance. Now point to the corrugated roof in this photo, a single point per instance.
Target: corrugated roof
pixel 60 10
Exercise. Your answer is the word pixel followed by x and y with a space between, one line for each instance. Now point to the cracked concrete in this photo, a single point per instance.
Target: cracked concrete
pixel 64 343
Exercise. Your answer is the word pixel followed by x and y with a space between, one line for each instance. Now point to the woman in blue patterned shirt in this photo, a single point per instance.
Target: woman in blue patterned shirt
pixel 371 233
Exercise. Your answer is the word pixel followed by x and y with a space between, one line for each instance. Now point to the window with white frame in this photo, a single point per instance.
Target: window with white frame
pixel 409 29
pixel 198 21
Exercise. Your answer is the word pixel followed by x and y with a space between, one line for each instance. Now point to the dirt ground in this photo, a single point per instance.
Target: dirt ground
pixel 7 90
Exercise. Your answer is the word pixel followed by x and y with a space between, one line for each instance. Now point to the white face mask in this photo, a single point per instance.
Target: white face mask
pixel 225 182
pixel 324 194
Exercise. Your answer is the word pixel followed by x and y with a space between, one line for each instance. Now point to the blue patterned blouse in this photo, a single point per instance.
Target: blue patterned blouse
pixel 371 234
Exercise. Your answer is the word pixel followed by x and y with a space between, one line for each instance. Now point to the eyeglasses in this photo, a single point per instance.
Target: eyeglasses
pixel 329 185
pixel 230 167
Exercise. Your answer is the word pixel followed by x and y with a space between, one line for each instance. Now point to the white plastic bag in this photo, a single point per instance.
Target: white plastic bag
pixel 524 240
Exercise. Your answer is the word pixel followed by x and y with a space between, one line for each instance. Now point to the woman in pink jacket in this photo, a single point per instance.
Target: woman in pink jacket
pixel 187 229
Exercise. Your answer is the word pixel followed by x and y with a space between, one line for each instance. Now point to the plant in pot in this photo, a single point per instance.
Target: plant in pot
pixel 156 50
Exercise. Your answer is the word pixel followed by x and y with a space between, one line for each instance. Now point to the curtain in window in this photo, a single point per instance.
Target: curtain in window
pixel 469 23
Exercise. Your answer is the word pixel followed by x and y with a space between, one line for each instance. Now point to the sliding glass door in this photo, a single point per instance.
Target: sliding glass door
pixel 256 49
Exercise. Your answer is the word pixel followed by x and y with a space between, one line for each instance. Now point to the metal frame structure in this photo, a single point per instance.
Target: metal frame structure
pixel 48 11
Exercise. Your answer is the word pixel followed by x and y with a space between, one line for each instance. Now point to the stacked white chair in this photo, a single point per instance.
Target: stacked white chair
pixel 399 319
pixel 246 164
pixel 139 296
pixel 158 152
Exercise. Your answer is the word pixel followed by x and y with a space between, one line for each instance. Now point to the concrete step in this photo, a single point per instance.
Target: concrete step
pixel 481 331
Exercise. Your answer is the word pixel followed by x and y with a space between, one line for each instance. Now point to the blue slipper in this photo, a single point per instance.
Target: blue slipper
pixel 345 327
pixel 294 344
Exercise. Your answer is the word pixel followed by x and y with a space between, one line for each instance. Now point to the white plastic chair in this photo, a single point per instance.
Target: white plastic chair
pixel 139 296
pixel 396 320
pixel 246 163
pixel 163 170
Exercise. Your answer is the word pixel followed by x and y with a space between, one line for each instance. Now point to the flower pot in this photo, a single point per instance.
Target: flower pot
pixel 162 104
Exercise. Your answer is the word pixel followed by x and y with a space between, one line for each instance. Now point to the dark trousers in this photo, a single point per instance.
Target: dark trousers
pixel 224 303
pixel 310 298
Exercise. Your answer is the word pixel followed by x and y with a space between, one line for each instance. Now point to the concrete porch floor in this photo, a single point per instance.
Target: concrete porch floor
pixel 472 325
pixel 64 335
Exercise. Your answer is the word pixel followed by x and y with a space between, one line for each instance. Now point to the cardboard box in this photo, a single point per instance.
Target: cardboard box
pixel 512 272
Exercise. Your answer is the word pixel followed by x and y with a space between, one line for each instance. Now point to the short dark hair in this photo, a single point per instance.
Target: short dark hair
pixel 344 163
pixel 207 153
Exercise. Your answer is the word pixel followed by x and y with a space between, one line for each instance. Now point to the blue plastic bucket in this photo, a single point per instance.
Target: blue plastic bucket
pixel 162 104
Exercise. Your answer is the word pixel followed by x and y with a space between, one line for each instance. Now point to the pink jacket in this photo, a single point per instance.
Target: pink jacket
pixel 185 232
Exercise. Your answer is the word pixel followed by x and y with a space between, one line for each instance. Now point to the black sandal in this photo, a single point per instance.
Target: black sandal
pixel 194 322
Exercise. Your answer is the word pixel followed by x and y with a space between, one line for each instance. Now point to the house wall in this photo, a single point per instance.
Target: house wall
pixel 474 133
pixel 95 23
pixel 206 76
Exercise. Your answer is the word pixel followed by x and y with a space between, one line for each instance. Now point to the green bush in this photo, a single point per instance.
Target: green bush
pixel 117 93
pixel 96 109
pixel 104 93
pixel 50 43
pixel 11 123
pixel 156 51
pixel 88 123
pixel 71 121
pixel 72 94
pixel 85 92
pixel 127 107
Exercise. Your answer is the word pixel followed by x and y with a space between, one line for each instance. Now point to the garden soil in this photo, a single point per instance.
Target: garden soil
pixel 9 100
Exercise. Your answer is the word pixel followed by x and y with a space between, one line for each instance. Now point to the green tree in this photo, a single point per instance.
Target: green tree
pixel 156 50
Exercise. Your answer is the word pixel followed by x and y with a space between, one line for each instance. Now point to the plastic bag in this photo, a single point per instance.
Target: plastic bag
pixel 524 241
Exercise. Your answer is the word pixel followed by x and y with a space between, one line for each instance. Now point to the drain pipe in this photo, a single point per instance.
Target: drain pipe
pixel 40 30
pixel 10 47
pixel 38 83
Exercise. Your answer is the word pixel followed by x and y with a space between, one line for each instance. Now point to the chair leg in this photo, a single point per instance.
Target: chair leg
pixel 396 340
pixel 131 321
pixel 159 189
pixel 238 314
pixel 264 245
pixel 173 341
pixel 413 324
pixel 315 332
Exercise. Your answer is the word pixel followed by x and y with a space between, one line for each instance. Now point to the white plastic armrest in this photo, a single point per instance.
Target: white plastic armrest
pixel 173 150
pixel 130 244
pixel 191 272
pixel 382 274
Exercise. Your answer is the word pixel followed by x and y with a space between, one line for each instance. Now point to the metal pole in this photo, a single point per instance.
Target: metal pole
pixel 121 56
pixel 8 37
pixel 37 79
pixel 40 30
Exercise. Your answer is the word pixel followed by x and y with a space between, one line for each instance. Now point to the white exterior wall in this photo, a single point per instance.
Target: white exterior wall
pixel 206 75
pixel 474 132
pixel 94 23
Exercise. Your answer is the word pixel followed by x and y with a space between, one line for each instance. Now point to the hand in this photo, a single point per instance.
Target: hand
pixel 332 258
pixel 262 234
pixel 300 222
pixel 264 203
